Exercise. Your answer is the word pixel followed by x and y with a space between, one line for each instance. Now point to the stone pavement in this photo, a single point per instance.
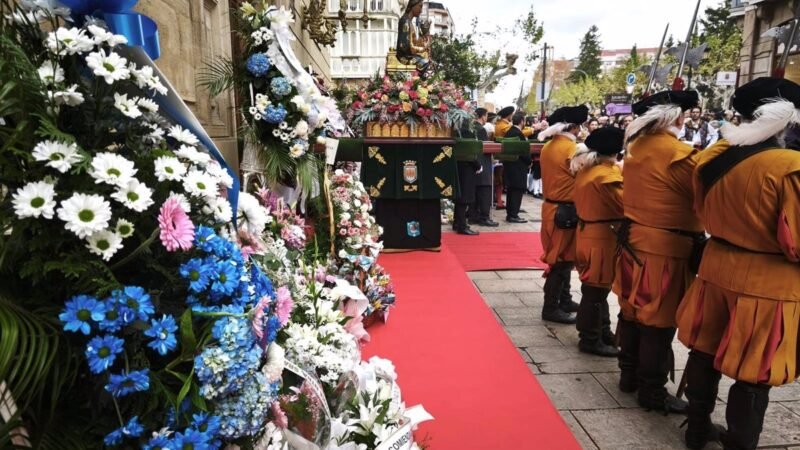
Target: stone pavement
pixel 584 387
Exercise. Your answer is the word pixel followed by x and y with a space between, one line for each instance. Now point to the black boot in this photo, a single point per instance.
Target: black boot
pixel 608 335
pixel 628 337
pixel 589 322
pixel 702 384
pixel 565 302
pixel 747 404
pixel 553 287
pixel 655 361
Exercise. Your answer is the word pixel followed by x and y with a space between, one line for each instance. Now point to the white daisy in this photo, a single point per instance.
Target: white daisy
pixel 124 228
pixel 253 110
pixel 147 104
pixel 258 117
pixel 156 136
pixel 112 169
pixel 127 106
pixel 59 155
pixel 105 243
pixel 217 171
pixel 283 125
pixel 169 168
pixel 70 97
pixel 200 184
pixel 301 129
pixel 134 195
pixel 50 73
pixel 297 151
pixel 34 200
pixel 85 214
pixel 191 153
pixel 111 67
pixel 183 136
pixel 146 79
pixel 183 201
pixel 69 41
pixel 251 214
pixel 102 35
pixel 276 132
pixel 220 208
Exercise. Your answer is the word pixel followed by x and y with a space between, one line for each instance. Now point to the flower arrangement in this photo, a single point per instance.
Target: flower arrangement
pixel 407 99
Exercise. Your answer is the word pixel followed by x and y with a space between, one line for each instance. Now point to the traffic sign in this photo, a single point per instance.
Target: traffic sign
pixel 631 79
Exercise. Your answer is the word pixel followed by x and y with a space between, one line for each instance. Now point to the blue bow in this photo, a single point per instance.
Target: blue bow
pixel 140 30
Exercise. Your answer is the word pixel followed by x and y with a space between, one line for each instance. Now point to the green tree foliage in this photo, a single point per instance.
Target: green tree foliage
pixel 532 31
pixel 458 59
pixel 584 91
pixel 589 57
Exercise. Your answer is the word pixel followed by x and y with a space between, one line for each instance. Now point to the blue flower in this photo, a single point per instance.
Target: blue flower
pixel 158 443
pixel 206 423
pixel 280 87
pixel 275 114
pixel 114 438
pixel 191 439
pixel 225 278
pixel 80 312
pixel 132 429
pixel 134 303
pixel 273 325
pixel 122 385
pixel 102 352
pixel 112 322
pixel 197 274
pixel 163 333
pixel 258 64
pixel 204 238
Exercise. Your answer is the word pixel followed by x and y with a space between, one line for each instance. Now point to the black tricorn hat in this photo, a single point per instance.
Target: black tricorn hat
pixel 761 91
pixel 505 112
pixel 684 99
pixel 606 141
pixel 569 114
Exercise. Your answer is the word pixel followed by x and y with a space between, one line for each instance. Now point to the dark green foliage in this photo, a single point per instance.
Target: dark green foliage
pixel 589 57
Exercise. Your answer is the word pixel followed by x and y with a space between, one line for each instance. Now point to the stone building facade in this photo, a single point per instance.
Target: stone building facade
pixel 760 55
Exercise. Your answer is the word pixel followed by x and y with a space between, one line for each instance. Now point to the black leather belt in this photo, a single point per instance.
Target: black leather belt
pixel 547 200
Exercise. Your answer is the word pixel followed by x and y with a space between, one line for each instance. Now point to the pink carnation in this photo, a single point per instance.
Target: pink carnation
pixel 278 416
pixel 284 306
pixel 177 230
pixel 258 316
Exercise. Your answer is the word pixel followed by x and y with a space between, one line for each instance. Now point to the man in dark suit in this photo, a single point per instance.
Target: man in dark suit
pixel 467 179
pixel 516 173
pixel 479 212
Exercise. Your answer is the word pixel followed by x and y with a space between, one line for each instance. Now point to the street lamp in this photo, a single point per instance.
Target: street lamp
pixel 585 75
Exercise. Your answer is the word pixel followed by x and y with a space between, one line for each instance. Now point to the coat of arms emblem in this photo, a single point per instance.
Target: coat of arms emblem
pixel 410 171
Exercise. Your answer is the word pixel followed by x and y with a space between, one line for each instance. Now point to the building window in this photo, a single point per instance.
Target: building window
pixel 376 5
pixel 793 68
pixel 353 5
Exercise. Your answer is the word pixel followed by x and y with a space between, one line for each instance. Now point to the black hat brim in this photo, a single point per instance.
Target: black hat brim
pixel 570 114
pixel 751 96
pixel 606 141
pixel 685 99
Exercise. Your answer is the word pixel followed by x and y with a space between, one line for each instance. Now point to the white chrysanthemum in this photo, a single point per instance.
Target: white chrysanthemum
pixel 193 155
pixel 34 200
pixel 217 171
pixel 297 151
pixel 276 361
pixel 112 169
pixel 69 41
pixel 50 73
pixel 134 195
pixel 85 214
pixel 156 136
pixel 146 79
pixel 200 184
pixel 105 243
pixel 220 208
pixel 70 97
pixel 110 67
pixel 147 104
pixel 283 125
pixel 169 168
pixel 124 228
pixel 101 35
pixel 251 214
pixel 58 155
pixel 183 136
pixel 281 17
pixel 276 132
pixel 127 106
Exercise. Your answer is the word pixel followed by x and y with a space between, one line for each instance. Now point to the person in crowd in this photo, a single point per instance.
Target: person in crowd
pixel 592 125
pixel 657 240
pixel 535 178
pixel 503 122
pixel 698 130
pixel 480 212
pixel 501 126
pixel 602 121
pixel 598 201
pixel 737 120
pixel 741 316
pixel 516 172
pixel 558 236
pixel 626 121
pixel 489 125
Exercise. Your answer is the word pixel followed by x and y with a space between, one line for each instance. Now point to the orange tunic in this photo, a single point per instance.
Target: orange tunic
pixel 558 185
pixel 657 197
pixel 745 307
pixel 501 127
pixel 598 199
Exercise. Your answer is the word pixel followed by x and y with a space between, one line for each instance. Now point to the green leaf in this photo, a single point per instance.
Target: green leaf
pixel 185 389
pixel 188 339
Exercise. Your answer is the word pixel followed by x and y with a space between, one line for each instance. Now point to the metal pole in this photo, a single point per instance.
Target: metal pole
pixel 653 69
pixel 544 81
pixel 780 71
pixel 678 84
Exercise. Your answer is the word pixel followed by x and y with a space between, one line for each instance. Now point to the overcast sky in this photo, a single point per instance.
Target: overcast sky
pixel 622 23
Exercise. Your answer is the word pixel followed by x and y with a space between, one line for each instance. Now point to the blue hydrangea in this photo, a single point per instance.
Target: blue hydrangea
pixel 223 371
pixel 132 429
pixel 81 311
pixel 258 64
pixel 280 87
pixel 197 274
pixel 244 414
pixel 275 114
pixel 163 333
pixel 101 352
pixel 128 383
pixel 233 333
pixel 206 423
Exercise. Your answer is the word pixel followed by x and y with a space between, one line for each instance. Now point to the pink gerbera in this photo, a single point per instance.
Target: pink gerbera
pixel 279 417
pixel 284 306
pixel 177 230
pixel 249 243
pixel 258 316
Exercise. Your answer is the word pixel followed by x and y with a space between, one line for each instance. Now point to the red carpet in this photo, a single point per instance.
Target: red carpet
pixel 454 358
pixel 496 251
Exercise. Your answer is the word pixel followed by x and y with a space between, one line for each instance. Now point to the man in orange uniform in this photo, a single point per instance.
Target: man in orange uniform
pixel 657 238
pixel 741 317
pixel 598 199
pixel 558 239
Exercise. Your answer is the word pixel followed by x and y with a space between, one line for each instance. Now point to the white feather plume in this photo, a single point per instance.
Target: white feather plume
pixel 585 157
pixel 553 130
pixel 771 119
pixel 657 118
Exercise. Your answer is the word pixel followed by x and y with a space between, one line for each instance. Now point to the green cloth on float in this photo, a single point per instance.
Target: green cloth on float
pixel 410 171
pixel 512 149
pixel 468 149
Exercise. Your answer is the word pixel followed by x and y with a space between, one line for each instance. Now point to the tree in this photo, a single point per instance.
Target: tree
pixel 531 30
pixel 458 59
pixel 589 58
pixel 634 56
pixel 586 91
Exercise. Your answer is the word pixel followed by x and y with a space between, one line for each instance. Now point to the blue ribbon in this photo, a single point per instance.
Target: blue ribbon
pixel 140 30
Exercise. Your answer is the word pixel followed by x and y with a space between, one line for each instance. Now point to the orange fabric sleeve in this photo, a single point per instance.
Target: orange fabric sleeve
pixel 789 218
